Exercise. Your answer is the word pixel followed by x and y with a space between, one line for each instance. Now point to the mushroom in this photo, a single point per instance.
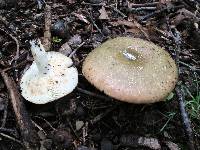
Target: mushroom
pixel 50 77
pixel 131 70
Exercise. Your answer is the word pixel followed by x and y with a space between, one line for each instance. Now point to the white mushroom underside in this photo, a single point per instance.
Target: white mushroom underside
pixel 60 80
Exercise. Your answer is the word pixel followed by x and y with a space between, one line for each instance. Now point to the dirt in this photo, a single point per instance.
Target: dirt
pixel 89 119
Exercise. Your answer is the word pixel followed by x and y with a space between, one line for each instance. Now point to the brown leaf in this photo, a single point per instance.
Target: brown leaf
pixel 65 49
pixel 134 27
pixel 81 17
pixel 122 22
pixel 172 146
pixel 71 1
pixel 152 143
pixel 184 14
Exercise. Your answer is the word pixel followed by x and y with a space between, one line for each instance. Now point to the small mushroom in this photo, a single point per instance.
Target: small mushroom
pixel 50 77
pixel 131 70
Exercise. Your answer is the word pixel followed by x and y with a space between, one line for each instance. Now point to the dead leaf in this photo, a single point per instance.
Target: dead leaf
pixel 79 125
pixel 71 1
pixel 81 17
pixel 122 22
pixel 165 1
pixel 134 27
pixel 75 40
pixel 152 143
pixel 65 49
pixel 103 14
pixel 184 14
pixel 136 141
pixel 172 146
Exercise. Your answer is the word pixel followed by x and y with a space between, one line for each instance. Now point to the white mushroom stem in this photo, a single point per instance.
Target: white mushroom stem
pixel 40 56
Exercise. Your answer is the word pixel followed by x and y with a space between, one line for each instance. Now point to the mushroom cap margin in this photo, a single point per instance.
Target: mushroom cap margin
pixel 148 79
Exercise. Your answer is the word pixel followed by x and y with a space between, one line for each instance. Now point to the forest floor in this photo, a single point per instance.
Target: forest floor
pixel 87 119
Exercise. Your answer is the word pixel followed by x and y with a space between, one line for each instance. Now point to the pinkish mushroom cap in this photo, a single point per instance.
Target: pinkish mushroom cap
pixel 131 70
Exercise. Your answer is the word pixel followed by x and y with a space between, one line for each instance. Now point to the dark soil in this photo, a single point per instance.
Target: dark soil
pixel 88 119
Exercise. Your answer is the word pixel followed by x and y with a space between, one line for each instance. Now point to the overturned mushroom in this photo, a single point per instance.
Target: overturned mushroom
pixel 131 70
pixel 50 77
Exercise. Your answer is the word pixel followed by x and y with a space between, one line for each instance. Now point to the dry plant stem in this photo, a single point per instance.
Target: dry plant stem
pixel 74 52
pixel 16 41
pixel 157 12
pixel 72 128
pixel 142 9
pixel 11 138
pixel 17 51
pixel 93 94
pixel 17 65
pixel 5 113
pixel 47 32
pixel 102 115
pixel 185 118
pixel 29 136
pixel 118 11
pixel 91 4
pixel 145 4
pixel 71 109
pixel 181 98
pixel 93 22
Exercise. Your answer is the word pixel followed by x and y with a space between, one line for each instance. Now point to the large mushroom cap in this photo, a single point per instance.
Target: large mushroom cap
pixel 131 70
pixel 57 78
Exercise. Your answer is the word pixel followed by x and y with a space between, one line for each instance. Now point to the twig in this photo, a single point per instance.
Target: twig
pixel 191 4
pixel 189 66
pixel 72 128
pixel 142 9
pixel 47 32
pixel 71 109
pixel 5 113
pixel 186 121
pixel 40 128
pixel 118 11
pixel 91 4
pixel 79 46
pixel 157 12
pixel 145 4
pixel 17 50
pixel 93 94
pixel 29 136
pixel 11 138
pixel 93 22
pixel 185 118
pixel 46 122
pixel 17 65
pixel 85 132
pixel 6 130
pixel 102 115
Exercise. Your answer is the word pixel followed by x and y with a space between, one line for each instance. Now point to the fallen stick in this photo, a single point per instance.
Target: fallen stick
pixel 28 133
pixel 185 118
pixel 181 98
pixel 47 32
